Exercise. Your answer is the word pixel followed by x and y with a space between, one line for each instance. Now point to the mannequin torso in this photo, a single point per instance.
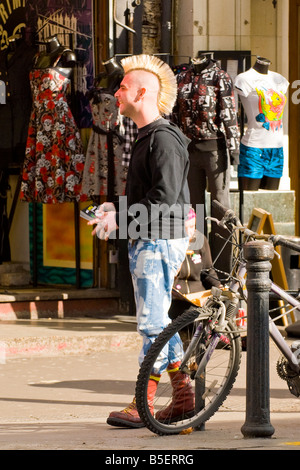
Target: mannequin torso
pixel 265 133
pixel 262 65
pixel 200 63
pixel 57 56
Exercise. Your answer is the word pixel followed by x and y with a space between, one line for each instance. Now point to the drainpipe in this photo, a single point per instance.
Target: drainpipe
pixel 138 26
pixel 166 27
pixel 111 29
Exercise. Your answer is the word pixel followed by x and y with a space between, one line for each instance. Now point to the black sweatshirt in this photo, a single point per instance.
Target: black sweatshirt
pixel 157 189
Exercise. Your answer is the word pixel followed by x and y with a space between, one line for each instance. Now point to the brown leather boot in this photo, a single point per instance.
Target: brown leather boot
pixel 183 399
pixel 129 417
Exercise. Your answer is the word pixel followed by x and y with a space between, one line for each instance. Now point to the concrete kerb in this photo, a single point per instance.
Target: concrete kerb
pixel 49 337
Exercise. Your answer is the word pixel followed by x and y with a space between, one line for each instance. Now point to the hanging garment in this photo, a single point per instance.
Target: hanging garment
pixel 54 160
pixel 104 173
pixel 205 109
pixel 16 108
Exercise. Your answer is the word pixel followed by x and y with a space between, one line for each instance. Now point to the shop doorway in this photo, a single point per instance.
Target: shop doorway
pixel 294 105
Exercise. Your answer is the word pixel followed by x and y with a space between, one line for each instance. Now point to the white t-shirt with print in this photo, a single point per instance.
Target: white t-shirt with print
pixel 263 99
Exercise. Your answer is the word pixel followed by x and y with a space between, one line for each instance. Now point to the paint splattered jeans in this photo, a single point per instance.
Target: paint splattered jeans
pixel 153 265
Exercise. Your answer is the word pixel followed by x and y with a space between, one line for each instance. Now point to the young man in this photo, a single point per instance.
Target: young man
pixel 157 205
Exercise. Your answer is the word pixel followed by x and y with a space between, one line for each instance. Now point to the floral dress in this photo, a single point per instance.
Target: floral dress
pixel 54 159
pixel 96 177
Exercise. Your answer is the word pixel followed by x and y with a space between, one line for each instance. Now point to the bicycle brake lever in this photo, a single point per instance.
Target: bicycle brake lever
pixel 220 223
pixel 213 219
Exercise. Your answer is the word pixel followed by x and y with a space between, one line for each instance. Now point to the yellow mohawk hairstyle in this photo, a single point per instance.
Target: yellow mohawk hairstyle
pixel 168 85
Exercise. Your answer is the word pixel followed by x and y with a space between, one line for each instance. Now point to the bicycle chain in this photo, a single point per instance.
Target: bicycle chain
pixel 286 373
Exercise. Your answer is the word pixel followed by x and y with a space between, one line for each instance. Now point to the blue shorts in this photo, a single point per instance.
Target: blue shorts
pixel 256 162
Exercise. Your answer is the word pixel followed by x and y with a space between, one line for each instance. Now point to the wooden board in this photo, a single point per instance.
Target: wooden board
pixel 261 221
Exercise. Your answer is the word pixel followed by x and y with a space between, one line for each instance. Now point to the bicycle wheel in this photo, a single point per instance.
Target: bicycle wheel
pixel 210 389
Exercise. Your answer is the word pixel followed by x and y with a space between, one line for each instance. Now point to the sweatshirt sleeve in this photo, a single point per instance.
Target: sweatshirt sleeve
pixel 228 115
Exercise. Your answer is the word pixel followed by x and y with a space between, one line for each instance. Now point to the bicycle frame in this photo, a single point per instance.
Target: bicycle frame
pixel 273 330
pixel 274 333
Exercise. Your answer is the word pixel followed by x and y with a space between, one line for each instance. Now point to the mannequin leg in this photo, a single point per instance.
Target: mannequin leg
pixel 254 184
pixel 218 175
pixel 270 183
pixel 249 184
pixel 197 183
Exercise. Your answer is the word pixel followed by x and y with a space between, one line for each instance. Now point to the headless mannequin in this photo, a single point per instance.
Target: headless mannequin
pixel 253 184
pixel 56 55
pixel 200 62
pixel 13 43
pixel 209 158
pixel 110 79
pixel 262 65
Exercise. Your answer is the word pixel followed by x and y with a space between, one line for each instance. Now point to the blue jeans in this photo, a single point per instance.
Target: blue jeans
pixel 153 265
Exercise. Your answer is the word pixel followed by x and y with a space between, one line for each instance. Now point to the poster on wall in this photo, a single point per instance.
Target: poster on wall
pixel 59 219
pixel 72 24
pixel 12 20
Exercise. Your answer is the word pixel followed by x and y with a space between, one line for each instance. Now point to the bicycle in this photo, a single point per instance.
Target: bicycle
pixel 208 343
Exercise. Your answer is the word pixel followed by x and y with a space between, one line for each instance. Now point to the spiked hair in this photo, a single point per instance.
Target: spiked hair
pixel 168 85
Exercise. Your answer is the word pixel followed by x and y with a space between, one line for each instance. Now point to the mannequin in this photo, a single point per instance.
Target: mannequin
pixel 201 62
pixel 104 174
pixel 262 65
pixel 57 56
pixel 13 43
pixel 54 159
pixel 205 112
pixel 262 94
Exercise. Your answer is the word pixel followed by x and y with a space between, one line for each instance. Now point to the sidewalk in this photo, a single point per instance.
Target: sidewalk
pixel 59 379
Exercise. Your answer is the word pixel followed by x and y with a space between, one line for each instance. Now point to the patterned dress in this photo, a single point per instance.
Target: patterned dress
pixel 54 159
pixel 105 125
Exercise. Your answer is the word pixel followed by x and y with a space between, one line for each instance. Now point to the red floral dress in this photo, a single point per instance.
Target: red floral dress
pixel 54 159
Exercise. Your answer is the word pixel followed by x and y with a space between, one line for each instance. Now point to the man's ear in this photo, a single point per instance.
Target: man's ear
pixel 140 94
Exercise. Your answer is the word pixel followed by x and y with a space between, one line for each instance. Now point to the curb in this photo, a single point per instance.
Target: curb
pixel 65 337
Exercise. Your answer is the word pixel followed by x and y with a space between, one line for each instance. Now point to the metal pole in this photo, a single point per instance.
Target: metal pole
pixel 258 255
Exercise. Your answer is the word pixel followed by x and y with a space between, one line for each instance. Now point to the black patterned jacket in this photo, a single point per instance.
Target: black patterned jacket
pixel 205 109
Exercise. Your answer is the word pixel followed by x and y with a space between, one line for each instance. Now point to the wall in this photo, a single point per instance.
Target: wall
pixel 233 25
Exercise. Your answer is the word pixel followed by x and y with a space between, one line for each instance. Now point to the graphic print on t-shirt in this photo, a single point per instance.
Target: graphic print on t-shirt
pixel 271 105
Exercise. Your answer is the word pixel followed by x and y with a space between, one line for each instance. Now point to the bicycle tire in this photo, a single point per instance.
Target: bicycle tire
pixel 225 359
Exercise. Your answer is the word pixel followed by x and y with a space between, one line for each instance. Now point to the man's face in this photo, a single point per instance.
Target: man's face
pixel 127 95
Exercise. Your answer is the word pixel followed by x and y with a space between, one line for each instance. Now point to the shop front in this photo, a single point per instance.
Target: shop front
pixel 57 78
pixel 52 148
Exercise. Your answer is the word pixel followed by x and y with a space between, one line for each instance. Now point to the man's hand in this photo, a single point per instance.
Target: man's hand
pixel 105 220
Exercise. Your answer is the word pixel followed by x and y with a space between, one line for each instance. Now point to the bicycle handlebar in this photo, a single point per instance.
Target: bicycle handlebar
pixel 228 215
pixel 228 218
pixel 279 240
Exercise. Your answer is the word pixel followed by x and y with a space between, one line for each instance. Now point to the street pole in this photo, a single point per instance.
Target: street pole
pixel 258 255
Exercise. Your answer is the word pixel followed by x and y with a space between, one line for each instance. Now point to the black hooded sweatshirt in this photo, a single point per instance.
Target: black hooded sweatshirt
pixel 157 189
